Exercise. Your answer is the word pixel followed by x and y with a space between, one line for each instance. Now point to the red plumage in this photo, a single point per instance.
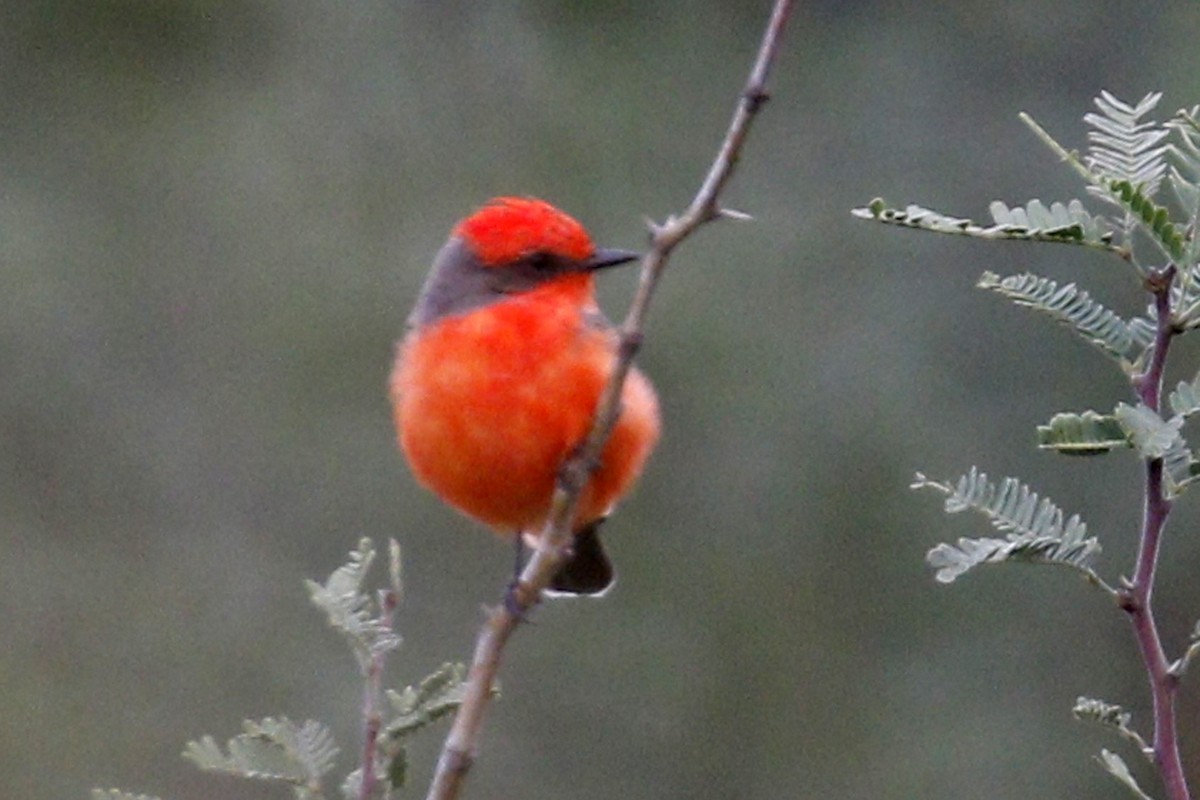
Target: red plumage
pixel 489 402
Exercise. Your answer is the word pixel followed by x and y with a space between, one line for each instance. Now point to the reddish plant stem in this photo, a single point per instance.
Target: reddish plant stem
pixel 1136 596
pixel 371 724
pixel 372 689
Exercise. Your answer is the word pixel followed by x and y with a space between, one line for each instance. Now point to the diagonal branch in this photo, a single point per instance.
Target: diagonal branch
pixel 459 748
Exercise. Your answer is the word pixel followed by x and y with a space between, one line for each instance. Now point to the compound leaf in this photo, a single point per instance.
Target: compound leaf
pixel 1035 222
pixel 1069 305
pixel 1123 147
pixel 1153 218
pixel 1111 716
pixel 1152 435
pixel 1184 173
pixel 440 694
pixel 1115 766
pixel 271 749
pixel 1083 434
pixel 1180 466
pixel 1036 528
pixel 1185 400
pixel 350 609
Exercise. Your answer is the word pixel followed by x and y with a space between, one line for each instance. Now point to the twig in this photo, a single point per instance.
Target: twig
pixel 1136 596
pixel 459 748
pixel 389 599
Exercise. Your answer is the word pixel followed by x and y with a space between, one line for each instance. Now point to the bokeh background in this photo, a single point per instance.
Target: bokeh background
pixel 214 216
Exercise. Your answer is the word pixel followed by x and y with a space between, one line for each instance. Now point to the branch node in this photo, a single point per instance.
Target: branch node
pixel 755 97
pixel 578 466
pixel 518 599
pixel 1126 600
pixel 631 343
pixel 459 762
pixel 1159 280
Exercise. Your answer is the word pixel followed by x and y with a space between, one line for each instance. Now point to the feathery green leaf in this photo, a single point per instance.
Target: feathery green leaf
pixel 1111 716
pixel 1069 305
pixel 1153 218
pixel 272 749
pixel 1155 437
pixel 1089 708
pixel 437 696
pixel 1152 435
pixel 1083 434
pixel 1059 222
pixel 1184 174
pixel 1125 165
pixel 1185 400
pixel 350 609
pixel 1142 331
pixel 440 694
pixel 1123 147
pixel 1037 531
pixel 1070 223
pixel 1183 662
pixel 1115 765
pixel 1180 466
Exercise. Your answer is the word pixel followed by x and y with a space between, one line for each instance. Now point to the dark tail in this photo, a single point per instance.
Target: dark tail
pixel 588 570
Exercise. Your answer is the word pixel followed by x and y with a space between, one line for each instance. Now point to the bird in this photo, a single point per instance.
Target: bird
pixel 496 381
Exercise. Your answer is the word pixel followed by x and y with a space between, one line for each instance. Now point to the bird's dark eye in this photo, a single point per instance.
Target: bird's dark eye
pixel 542 262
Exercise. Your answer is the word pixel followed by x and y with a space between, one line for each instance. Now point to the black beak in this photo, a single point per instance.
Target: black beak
pixel 606 257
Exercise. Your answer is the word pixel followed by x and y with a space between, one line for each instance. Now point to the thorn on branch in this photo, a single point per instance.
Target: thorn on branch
pixel 734 214
pixel 658 230
pixel 755 97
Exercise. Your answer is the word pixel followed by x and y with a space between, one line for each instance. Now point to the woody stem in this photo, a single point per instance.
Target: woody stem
pixel 458 751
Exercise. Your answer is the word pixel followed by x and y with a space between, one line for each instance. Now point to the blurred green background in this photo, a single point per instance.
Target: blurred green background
pixel 214 217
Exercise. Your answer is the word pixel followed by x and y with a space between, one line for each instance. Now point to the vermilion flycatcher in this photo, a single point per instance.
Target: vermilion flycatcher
pixel 496 383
